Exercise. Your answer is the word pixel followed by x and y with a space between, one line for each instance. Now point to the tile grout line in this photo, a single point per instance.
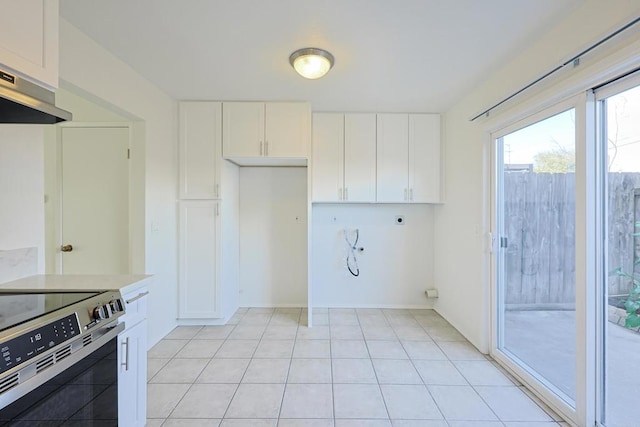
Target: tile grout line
pixel 422 379
pixel 245 371
pixel 333 391
pixel 286 380
pixel 190 385
pixel 384 401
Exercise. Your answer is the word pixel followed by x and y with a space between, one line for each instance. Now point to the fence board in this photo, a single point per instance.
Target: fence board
pixel 540 225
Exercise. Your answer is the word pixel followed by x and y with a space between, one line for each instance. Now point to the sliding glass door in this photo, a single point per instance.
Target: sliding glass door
pixel 535 251
pixel 619 118
pixel 566 254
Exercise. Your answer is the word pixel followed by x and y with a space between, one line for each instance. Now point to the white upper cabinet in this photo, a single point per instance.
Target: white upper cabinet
pixel 408 159
pixel 344 157
pixel 328 157
pixel 29 40
pixel 243 129
pixel 359 157
pixel 393 158
pixel 424 158
pixel 287 129
pixel 200 149
pixel 272 133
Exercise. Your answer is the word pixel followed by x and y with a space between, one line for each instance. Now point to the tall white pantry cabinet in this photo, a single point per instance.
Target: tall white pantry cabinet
pixel 208 189
pixel 214 139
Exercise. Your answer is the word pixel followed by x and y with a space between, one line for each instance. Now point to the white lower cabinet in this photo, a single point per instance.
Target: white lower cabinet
pixel 132 376
pixel 199 295
pixel 132 360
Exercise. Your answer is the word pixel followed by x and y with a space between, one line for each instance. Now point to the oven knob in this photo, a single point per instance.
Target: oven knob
pixel 116 305
pixel 100 312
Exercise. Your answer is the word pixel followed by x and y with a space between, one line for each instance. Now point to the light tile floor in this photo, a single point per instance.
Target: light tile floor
pixel 354 368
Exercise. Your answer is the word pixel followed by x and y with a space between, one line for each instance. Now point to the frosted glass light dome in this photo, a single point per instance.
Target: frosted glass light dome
pixel 311 62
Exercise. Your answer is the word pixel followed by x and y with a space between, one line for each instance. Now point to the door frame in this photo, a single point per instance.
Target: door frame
pixel 56 220
pixel 584 411
pixel 599 95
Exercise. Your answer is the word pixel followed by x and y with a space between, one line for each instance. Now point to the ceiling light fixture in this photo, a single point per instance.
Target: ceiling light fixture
pixel 311 62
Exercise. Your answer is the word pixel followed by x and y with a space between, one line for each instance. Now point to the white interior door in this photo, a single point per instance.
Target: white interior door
pixel 95 200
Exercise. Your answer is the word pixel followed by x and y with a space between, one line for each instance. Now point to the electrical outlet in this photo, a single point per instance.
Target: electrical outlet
pixel 399 219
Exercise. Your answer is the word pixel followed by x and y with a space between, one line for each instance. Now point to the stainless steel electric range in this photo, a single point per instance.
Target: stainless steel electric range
pixel 58 358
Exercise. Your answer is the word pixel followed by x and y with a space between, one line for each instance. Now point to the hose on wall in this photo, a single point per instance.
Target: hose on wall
pixel 351 260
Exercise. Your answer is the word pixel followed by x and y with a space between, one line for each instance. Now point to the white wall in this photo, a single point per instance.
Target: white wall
pixel 461 224
pixel 396 266
pixel 89 70
pixel 273 236
pixel 230 238
pixel 22 190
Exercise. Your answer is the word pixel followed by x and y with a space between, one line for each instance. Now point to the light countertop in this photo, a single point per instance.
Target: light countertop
pixel 76 283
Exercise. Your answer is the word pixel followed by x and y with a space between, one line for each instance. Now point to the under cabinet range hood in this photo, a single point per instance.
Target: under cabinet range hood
pixel 24 102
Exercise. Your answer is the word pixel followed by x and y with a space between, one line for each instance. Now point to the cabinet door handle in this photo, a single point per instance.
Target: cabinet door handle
pixel 217 191
pixel 261 148
pixel 137 297
pixel 340 193
pixel 346 193
pixel 217 209
pixel 405 194
pixel 411 194
pixel 266 148
pixel 125 346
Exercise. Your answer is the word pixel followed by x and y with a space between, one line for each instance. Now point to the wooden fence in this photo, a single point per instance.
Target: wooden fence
pixel 540 227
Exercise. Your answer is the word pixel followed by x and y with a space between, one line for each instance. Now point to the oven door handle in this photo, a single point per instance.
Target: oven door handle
pixel 36 381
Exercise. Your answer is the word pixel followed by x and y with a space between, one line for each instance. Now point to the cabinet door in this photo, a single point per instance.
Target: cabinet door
pixel 287 129
pixel 328 157
pixel 198 292
pixel 200 149
pixel 392 185
pixel 132 376
pixel 243 129
pixel 360 157
pixel 29 39
pixel 424 158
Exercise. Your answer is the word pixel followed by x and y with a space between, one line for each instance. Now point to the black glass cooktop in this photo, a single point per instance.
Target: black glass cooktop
pixel 17 308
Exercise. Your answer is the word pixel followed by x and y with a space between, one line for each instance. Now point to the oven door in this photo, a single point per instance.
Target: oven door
pixel 81 390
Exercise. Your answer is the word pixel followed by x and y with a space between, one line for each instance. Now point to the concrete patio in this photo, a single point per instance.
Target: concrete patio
pixel 545 340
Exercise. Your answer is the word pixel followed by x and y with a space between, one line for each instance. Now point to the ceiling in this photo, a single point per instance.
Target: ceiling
pixel 391 55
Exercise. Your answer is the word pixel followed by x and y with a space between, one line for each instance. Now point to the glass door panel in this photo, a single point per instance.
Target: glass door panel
pixel 620 116
pixel 536 257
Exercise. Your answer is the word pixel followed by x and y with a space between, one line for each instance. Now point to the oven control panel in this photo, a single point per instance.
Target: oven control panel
pixel 29 345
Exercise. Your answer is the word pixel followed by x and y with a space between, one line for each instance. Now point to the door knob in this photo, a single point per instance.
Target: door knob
pixel 66 248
